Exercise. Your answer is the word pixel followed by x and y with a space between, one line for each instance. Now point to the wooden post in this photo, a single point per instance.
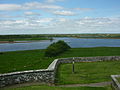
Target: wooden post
pixel 73 67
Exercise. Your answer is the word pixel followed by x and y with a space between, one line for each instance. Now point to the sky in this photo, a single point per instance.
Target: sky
pixel 59 16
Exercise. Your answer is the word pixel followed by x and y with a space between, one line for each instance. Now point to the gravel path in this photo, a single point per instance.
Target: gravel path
pixel 101 84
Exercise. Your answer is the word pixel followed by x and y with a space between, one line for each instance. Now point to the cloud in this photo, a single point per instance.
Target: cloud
pixel 62 19
pixel 64 13
pixel 61 25
pixel 28 6
pixel 37 5
pixel 25 23
pixel 10 7
pixel 83 9
pixel 44 20
pixel 31 13
pixel 6 16
pixel 52 1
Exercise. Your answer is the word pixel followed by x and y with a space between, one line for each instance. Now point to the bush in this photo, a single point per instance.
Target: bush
pixel 56 48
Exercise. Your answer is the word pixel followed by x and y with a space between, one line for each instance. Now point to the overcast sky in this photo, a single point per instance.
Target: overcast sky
pixel 59 16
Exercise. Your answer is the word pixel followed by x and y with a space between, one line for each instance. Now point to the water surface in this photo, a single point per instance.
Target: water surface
pixel 73 42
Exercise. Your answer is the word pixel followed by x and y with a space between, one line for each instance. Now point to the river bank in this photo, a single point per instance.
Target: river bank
pixel 28 41
pixel 13 42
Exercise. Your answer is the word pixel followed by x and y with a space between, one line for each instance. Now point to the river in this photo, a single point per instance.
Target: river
pixel 73 42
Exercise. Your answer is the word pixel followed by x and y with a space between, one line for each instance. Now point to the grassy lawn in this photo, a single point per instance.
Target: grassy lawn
pixel 118 78
pixel 23 60
pixel 58 88
pixel 87 72
pixel 34 59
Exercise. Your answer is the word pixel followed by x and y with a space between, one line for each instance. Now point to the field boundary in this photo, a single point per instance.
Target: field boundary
pixel 47 75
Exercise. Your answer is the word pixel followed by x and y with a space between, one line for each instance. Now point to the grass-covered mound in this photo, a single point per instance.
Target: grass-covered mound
pixel 87 72
pixel 34 59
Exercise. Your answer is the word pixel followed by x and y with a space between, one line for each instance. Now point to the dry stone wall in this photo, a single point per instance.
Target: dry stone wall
pixel 46 75
pixel 115 83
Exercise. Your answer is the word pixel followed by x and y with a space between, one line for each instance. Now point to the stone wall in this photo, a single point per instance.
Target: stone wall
pixel 115 83
pixel 46 75
pixel 89 59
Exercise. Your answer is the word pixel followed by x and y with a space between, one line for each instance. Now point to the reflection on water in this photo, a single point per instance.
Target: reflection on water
pixel 73 42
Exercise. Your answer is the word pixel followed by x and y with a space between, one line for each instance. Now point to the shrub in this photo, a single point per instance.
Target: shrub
pixel 56 48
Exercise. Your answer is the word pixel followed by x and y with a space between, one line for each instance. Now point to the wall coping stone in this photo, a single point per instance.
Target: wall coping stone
pixel 52 65
pixel 24 72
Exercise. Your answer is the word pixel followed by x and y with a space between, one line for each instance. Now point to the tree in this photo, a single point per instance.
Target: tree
pixel 56 48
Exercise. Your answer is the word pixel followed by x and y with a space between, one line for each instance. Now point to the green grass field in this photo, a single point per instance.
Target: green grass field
pixel 23 60
pixel 34 59
pixel 118 79
pixel 87 72
pixel 58 88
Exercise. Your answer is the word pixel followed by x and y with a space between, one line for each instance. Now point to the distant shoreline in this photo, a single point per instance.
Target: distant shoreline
pixel 2 42
pixel 29 41
pixel 12 42
pixel 97 38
